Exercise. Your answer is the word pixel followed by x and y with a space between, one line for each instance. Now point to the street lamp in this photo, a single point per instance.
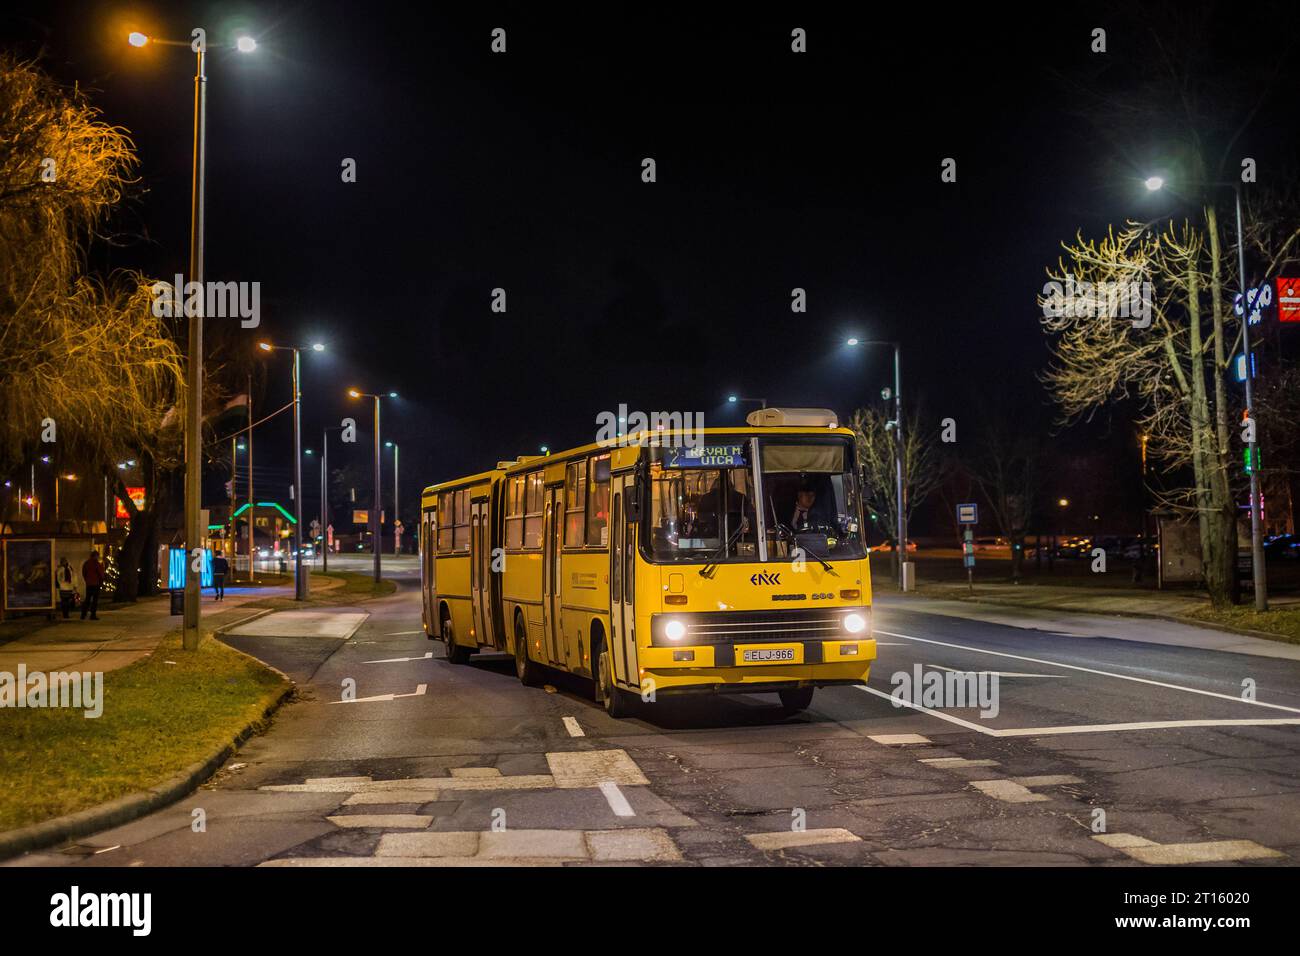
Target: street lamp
pixel 299 579
pixel 194 366
pixel 900 495
pixel 1258 575
pixel 67 477
pixel 374 511
pixel 397 515
pixel 733 399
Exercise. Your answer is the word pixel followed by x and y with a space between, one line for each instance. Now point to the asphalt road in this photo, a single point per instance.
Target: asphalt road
pixel 1105 749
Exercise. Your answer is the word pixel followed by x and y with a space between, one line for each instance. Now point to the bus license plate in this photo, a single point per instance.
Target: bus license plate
pixel 763 655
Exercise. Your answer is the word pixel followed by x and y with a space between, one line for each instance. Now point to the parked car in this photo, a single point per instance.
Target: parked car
pixel 1284 546
pixel 1077 546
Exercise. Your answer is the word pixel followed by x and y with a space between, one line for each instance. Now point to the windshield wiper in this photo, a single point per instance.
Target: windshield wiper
pixel 708 570
pixel 788 534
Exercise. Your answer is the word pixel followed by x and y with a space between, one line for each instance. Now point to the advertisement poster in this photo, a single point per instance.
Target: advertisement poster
pixel 29 575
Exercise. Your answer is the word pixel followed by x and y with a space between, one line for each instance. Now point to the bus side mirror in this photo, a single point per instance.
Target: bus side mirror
pixel 632 503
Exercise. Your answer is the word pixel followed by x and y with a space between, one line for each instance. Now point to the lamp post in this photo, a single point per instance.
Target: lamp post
pixel 1258 573
pixel 396 513
pixel 194 366
pixel 324 495
pixel 299 579
pixel 378 501
pixel 900 493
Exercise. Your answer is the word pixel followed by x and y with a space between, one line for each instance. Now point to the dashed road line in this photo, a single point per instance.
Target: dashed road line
pixel 898 740
pixel 573 727
pixel 617 802
pixel 398 660
pixel 1216 851
pixel 789 839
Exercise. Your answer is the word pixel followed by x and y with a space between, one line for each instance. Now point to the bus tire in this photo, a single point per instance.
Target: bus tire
pixel 616 700
pixel 796 701
pixel 455 653
pixel 526 669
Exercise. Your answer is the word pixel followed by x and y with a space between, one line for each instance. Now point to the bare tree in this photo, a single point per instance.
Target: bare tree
pixel 922 467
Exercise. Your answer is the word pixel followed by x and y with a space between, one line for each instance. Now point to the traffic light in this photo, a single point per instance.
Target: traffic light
pixel 1250 459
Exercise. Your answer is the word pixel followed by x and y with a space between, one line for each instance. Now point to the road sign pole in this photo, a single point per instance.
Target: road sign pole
pixel 1256 542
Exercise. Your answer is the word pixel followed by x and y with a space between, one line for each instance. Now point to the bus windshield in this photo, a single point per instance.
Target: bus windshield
pixel 703 500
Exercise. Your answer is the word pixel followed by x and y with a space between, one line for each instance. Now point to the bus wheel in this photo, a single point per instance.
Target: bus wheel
pixel 615 698
pixel 526 669
pixel 794 701
pixel 455 653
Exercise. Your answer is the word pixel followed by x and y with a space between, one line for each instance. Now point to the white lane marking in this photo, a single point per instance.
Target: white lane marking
pixel 1143 725
pixel 889 644
pixel 1085 728
pixel 573 727
pixel 419 692
pixel 397 660
pixel 400 633
pixel 954 670
pixel 617 802
pixel 926 710
pixel 1092 670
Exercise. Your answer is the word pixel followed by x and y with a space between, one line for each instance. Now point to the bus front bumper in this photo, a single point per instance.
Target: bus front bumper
pixel 751 668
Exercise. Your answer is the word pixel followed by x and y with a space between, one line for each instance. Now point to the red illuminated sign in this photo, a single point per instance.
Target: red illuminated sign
pixel 137 498
pixel 1288 299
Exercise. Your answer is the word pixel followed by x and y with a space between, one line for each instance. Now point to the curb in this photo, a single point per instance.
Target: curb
pixel 132 806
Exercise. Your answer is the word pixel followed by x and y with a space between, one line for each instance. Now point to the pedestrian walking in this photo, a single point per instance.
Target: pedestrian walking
pixel 67 587
pixel 92 572
pixel 220 568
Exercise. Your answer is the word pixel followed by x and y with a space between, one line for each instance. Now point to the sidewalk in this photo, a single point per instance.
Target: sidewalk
pixel 131 632
pixel 1143 603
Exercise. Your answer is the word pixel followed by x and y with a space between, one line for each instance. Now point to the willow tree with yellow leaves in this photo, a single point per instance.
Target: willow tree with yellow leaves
pixel 83 360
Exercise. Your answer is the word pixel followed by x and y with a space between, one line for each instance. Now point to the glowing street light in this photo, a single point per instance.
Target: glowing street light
pixel 299 578
pixel 1153 183
pixel 375 527
pixel 194 358
pixel 245 44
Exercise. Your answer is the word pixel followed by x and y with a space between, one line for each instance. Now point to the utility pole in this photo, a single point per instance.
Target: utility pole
pixel 375 526
pixel 1252 447
pixel 252 501
pixel 194 371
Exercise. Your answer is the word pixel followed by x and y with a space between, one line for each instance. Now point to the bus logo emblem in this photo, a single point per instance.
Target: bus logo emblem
pixel 765 577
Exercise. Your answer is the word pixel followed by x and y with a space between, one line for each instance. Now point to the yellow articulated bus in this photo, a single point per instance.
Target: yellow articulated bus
pixel 719 560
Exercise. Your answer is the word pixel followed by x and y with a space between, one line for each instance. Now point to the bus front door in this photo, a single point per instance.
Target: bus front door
pixel 622 576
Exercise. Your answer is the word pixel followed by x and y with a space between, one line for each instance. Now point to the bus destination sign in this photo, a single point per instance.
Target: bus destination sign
pixel 706 456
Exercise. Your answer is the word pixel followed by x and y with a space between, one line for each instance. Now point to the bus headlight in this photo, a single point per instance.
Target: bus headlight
pixel 674 630
pixel 854 623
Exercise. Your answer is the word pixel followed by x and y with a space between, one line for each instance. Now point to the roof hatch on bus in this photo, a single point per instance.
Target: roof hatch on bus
pixel 800 417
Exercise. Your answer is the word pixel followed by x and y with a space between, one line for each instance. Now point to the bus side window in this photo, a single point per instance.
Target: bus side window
pixel 598 503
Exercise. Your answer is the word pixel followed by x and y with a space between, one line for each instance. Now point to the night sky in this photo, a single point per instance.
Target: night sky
pixel 522 171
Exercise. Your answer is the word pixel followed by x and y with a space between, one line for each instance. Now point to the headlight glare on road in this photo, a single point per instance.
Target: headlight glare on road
pixel 855 623
pixel 674 630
